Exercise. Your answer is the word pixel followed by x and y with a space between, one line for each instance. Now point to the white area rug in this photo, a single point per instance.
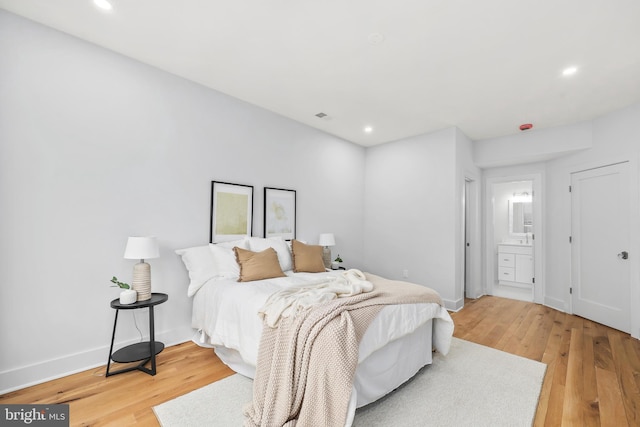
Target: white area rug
pixel 473 385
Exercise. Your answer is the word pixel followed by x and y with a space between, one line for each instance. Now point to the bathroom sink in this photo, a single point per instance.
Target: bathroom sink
pixel 516 243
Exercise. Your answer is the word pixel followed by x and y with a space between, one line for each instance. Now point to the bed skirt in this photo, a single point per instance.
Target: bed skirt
pixel 380 373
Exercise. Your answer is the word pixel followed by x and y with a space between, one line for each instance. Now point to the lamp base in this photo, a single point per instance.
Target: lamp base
pixel 142 281
pixel 326 256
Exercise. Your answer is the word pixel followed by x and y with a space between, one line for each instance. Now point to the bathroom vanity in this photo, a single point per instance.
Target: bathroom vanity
pixel 515 267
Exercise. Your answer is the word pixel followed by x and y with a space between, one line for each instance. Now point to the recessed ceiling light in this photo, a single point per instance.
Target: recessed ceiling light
pixel 376 38
pixel 103 5
pixel 368 129
pixel 569 71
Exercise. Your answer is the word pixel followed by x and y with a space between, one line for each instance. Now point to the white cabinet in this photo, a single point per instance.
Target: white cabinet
pixel 524 269
pixel 515 265
pixel 506 266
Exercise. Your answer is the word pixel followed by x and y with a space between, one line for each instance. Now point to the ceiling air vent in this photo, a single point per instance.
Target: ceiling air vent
pixel 321 115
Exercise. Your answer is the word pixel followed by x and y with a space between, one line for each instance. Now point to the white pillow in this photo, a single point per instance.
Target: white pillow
pixel 200 265
pixel 241 243
pixel 259 244
pixel 225 261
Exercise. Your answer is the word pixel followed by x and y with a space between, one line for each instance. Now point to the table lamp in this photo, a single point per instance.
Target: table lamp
pixel 326 240
pixel 142 248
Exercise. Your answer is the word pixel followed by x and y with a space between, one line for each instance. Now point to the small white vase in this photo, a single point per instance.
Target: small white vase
pixel 128 296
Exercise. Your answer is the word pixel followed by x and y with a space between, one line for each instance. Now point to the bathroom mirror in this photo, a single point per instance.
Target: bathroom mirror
pixel 520 218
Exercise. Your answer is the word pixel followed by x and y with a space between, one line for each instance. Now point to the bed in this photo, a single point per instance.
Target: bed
pixel 396 345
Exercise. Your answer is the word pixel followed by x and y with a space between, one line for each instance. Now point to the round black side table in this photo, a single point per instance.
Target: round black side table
pixel 145 351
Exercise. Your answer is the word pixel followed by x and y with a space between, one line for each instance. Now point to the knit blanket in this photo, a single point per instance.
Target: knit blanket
pixel 306 364
pixel 290 300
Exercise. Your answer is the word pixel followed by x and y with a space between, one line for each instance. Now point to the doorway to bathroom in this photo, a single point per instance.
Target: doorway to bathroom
pixel 513 243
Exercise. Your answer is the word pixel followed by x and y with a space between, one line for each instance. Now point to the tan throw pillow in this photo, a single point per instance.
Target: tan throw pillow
pixel 258 265
pixel 307 258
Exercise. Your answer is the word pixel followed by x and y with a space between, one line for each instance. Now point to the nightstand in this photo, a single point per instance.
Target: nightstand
pixel 145 351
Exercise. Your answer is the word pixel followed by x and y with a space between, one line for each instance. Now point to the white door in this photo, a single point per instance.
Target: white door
pixel 600 272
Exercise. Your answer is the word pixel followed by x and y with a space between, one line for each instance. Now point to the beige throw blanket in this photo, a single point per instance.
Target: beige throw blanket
pixel 306 365
pixel 290 300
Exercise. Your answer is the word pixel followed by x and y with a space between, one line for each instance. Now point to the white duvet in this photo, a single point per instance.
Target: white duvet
pixel 225 312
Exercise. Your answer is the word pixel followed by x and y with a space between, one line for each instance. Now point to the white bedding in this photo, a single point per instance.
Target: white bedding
pixel 225 312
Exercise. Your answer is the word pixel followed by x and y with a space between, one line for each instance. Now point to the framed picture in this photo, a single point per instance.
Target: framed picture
pixel 231 211
pixel 279 213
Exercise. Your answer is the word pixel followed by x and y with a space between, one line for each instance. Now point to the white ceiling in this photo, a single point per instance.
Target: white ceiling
pixel 483 66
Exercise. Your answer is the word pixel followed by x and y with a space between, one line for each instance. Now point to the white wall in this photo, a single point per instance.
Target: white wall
pixel 532 146
pixel 409 205
pixel 95 147
pixel 414 211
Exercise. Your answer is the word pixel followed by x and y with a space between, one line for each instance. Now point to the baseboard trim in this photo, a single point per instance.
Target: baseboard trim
pixel 38 373
pixel 453 305
pixel 558 304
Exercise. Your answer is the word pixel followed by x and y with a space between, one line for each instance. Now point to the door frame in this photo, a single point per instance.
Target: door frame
pixel 634 232
pixel 539 226
pixel 472 233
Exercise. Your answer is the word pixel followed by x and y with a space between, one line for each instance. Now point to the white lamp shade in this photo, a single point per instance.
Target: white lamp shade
pixel 142 248
pixel 326 239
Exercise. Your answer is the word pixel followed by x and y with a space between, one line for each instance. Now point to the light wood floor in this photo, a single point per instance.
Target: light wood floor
pixel 593 372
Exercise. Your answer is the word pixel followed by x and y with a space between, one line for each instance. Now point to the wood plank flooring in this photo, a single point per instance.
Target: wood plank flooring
pixel 127 399
pixel 593 372
pixel 592 378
